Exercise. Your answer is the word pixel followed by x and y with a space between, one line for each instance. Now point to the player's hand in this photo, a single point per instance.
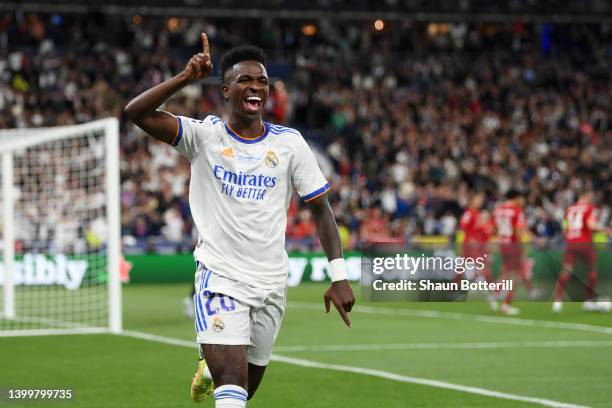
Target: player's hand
pixel 340 294
pixel 200 65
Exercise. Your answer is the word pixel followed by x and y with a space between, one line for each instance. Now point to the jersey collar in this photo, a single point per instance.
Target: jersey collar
pixel 247 140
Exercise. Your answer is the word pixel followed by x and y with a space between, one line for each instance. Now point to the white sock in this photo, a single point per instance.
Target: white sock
pixel 230 396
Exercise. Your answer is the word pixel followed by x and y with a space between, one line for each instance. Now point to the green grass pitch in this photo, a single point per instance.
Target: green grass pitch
pixel 500 354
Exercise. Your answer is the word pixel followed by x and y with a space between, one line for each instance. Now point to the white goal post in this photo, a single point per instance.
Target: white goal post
pixel 61 233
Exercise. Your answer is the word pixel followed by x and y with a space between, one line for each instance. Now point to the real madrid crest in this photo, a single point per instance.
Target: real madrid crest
pixel 271 159
pixel 218 325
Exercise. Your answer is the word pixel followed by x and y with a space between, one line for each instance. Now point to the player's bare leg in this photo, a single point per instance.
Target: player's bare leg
pixel 526 274
pixel 506 308
pixel 591 282
pixel 492 295
pixel 255 376
pixel 561 284
pixel 496 295
pixel 591 304
pixel 229 370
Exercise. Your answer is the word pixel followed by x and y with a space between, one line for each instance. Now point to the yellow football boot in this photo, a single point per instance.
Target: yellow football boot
pixel 201 387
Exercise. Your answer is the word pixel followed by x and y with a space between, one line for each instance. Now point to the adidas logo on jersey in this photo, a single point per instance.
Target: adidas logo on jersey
pixel 228 152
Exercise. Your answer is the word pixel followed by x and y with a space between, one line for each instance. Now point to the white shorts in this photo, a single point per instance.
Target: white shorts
pixel 234 313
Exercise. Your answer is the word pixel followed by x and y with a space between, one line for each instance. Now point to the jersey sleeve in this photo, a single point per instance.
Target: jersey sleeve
pixel 306 174
pixel 520 221
pixel 591 215
pixel 191 135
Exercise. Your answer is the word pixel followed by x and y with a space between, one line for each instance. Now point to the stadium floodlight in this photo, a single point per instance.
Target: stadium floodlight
pixel 60 230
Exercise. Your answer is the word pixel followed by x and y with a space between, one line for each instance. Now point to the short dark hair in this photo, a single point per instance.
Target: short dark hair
pixel 239 54
pixel 512 194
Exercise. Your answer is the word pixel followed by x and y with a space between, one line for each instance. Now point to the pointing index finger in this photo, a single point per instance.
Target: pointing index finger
pixel 343 314
pixel 205 43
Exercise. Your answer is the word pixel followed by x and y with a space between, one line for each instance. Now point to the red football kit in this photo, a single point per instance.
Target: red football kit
pixel 578 236
pixel 509 219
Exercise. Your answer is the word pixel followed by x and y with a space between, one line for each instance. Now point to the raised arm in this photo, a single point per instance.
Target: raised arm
pixel 340 292
pixel 143 110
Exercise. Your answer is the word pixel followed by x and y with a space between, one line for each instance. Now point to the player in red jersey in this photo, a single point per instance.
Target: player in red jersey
pixel 478 228
pixel 511 227
pixel 469 219
pixel 581 219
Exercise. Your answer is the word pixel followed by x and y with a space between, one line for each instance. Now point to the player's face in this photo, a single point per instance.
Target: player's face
pixel 246 89
pixel 478 200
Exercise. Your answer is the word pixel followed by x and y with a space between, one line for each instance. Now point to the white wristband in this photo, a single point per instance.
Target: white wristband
pixel 337 270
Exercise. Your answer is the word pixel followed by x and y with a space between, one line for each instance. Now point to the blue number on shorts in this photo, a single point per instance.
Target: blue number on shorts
pixel 222 300
pixel 224 306
pixel 211 296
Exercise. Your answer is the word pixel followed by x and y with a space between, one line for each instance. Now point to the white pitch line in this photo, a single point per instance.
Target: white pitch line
pixel 159 339
pixel 52 332
pixel 423 381
pixel 463 316
pixel 374 373
pixel 45 320
pixel 443 346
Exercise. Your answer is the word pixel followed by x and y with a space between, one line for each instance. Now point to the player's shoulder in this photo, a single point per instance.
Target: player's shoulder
pixel 468 213
pixel 500 207
pixel 213 119
pixel 283 131
pixel 592 210
pixel 512 208
pixel 284 137
pixel 208 120
pixel 581 207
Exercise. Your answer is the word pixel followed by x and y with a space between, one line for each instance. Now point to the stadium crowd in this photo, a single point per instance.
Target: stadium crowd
pixel 412 118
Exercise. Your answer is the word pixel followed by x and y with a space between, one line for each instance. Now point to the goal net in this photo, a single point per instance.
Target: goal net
pixel 60 230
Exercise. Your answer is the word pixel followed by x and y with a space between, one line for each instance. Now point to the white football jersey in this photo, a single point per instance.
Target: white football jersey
pixel 239 196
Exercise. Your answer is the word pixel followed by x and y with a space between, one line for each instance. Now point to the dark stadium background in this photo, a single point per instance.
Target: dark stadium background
pixel 409 115
pixel 411 106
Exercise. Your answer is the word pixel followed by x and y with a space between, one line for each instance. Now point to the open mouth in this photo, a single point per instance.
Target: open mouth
pixel 252 104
